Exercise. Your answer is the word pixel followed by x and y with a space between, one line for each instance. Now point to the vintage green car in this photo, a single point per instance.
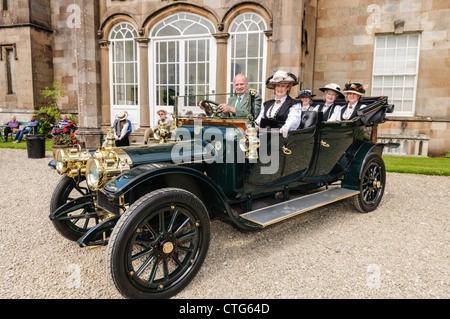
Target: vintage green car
pixel 152 204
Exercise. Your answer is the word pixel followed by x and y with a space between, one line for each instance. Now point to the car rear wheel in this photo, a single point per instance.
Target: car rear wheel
pixel 371 184
pixel 159 244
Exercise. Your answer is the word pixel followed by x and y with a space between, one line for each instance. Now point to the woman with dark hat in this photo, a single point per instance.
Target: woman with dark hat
pixel 307 99
pixel 120 128
pixel 283 112
pixel 353 92
pixel 331 93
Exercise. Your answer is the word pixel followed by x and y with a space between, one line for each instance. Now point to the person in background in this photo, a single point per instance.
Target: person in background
pixel 12 127
pixel 31 124
pixel 64 121
pixel 306 97
pixel 283 112
pixel 162 120
pixel 331 93
pixel 120 128
pixel 353 93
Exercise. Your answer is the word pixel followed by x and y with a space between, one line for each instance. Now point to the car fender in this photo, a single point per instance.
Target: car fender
pixel 353 174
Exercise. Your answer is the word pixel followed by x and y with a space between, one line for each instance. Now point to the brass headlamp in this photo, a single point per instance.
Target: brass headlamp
pixel 250 143
pixel 106 163
pixel 71 162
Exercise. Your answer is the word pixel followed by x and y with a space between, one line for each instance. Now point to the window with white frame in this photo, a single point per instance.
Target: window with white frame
pixel 247 50
pixel 124 65
pixel 395 69
pixel 183 59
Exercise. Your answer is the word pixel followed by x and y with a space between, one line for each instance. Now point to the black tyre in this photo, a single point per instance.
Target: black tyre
pixel 159 244
pixel 371 184
pixel 75 224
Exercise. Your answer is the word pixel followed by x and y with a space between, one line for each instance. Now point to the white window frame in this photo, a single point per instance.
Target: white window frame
pixel 389 78
pixel 248 18
pixel 133 108
pixel 182 40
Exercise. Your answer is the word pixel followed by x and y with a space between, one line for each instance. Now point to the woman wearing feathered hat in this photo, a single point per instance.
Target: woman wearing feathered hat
pixel 353 92
pixel 306 97
pixel 120 128
pixel 283 112
pixel 331 93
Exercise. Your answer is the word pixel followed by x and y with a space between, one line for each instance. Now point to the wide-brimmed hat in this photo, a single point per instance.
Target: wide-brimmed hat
pixel 356 88
pixel 161 110
pixel 281 77
pixel 305 93
pixel 121 116
pixel 333 87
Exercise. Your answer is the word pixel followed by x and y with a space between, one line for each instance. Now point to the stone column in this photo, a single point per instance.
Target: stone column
pixel 106 97
pixel 221 65
pixel 269 68
pixel 287 36
pixel 88 77
pixel 144 103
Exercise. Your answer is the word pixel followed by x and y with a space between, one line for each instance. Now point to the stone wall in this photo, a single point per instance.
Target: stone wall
pixel 24 28
pixel 346 31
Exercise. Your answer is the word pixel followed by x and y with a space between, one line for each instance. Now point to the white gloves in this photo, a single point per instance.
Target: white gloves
pixel 284 131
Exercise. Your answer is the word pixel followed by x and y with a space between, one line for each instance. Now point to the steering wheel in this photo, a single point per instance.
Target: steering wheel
pixel 211 108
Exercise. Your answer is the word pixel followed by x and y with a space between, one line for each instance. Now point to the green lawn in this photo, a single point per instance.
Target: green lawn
pixel 418 165
pixel 23 144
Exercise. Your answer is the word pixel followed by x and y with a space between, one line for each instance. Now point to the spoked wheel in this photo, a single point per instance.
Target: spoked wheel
pixel 72 225
pixel 371 184
pixel 159 244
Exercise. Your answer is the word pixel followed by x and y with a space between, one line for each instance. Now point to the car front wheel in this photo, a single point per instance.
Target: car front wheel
pixel 371 184
pixel 159 244
pixel 74 224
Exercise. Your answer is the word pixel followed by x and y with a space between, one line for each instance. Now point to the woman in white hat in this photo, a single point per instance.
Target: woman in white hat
pixel 120 128
pixel 353 92
pixel 331 93
pixel 283 112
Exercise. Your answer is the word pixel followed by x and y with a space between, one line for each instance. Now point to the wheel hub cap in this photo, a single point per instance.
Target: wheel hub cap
pixel 376 184
pixel 167 247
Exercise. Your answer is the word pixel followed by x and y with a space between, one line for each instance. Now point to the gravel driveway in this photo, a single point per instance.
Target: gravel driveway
pixel 399 251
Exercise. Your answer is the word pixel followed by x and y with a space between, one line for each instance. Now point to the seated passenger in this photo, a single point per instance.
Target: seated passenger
pixel 306 97
pixel 332 92
pixel 354 92
pixel 238 104
pixel 283 112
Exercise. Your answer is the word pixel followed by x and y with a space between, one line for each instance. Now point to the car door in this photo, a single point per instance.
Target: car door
pixel 281 160
pixel 335 138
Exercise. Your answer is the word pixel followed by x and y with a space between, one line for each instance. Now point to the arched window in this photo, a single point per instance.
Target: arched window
pixel 247 50
pixel 183 58
pixel 124 65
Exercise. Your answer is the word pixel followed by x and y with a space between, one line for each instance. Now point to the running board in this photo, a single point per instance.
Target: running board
pixel 273 214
